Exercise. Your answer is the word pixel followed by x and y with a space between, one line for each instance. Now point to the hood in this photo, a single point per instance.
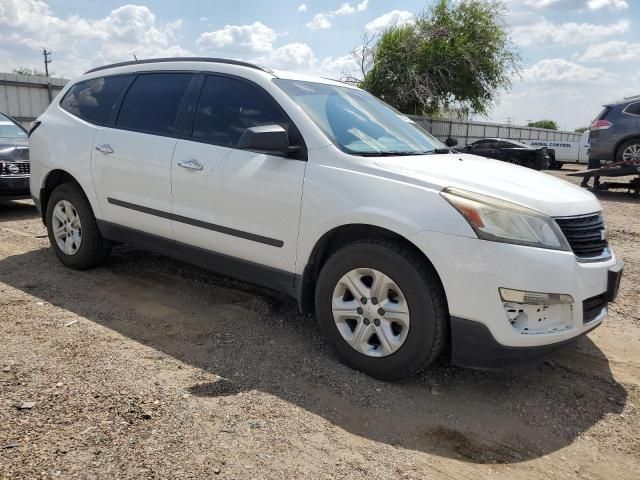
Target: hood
pixel 521 185
pixel 14 149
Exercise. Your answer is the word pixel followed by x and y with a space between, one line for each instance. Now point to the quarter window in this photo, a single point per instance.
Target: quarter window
pixel 229 106
pixel 153 102
pixel 93 99
pixel 633 109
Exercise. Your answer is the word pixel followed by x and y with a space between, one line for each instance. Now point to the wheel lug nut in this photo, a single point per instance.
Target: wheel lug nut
pixel 376 322
pixel 363 301
pixel 381 312
pixel 360 310
pixel 366 321
pixel 374 300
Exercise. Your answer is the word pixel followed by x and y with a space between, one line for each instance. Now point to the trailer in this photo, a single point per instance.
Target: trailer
pixel 613 170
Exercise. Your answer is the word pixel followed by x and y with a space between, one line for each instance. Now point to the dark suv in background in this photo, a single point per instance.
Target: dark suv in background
pixel 14 160
pixel 615 133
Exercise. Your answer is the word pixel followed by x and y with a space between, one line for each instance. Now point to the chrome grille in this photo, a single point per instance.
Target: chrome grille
pixel 14 168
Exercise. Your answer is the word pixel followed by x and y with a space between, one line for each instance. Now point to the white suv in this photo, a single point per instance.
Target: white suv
pixel 403 248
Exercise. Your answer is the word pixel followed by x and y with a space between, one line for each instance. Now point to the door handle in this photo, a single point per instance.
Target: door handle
pixel 191 164
pixel 105 148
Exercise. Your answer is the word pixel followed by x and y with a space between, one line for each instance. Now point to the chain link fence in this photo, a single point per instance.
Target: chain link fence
pixel 467 131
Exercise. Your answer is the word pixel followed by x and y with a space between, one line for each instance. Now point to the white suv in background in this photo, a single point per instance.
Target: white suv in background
pixel 402 248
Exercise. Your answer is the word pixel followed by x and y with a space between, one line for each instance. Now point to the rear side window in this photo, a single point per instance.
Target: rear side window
pixel 153 102
pixel 228 106
pixel 604 113
pixel 92 100
pixel 633 109
pixel 486 144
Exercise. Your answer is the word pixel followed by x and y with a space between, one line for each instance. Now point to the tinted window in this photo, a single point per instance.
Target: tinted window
pixel 507 145
pixel 604 113
pixel 633 109
pixel 92 100
pixel 486 144
pixel 228 106
pixel 153 102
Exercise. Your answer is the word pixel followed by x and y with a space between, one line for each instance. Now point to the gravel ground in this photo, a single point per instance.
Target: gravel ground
pixel 149 368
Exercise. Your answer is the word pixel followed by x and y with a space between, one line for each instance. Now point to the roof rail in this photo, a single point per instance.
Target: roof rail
pixel 180 59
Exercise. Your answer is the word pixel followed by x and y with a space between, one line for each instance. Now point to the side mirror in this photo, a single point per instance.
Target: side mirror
pixel 451 142
pixel 267 138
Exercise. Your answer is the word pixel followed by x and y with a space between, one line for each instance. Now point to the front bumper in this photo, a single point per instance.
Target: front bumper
pixel 473 346
pixel 472 271
pixel 14 187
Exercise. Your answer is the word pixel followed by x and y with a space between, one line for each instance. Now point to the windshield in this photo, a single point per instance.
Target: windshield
pixel 359 123
pixel 8 129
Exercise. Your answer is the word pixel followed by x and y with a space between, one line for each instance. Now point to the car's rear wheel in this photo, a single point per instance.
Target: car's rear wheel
pixel 72 228
pixel 382 309
pixel 629 151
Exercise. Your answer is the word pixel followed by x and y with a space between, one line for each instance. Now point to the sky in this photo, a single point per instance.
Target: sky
pixel 577 54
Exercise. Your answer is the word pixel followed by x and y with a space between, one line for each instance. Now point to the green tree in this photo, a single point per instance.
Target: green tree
pixel 32 72
pixel 581 129
pixel 455 55
pixel 548 124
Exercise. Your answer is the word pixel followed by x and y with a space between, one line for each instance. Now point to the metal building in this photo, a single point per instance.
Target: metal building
pixel 24 97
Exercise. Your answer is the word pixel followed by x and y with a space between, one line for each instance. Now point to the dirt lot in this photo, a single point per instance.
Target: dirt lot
pixel 149 368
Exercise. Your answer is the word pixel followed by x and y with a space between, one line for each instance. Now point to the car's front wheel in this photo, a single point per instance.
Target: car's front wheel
pixel 73 232
pixel 382 308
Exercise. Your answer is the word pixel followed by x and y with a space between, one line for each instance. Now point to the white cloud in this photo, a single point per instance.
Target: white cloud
pixel 561 71
pixel 613 51
pixel 540 3
pixel 615 4
pixel 394 17
pixel 320 21
pixel 302 7
pixel 336 67
pixel 345 9
pixel 292 56
pixel 362 6
pixel 256 37
pixel 80 42
pixel 569 33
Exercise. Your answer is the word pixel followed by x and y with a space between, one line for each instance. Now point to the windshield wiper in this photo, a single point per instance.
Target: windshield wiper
pixel 437 151
pixel 387 154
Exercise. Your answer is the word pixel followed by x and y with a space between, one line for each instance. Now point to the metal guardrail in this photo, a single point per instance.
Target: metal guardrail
pixel 468 131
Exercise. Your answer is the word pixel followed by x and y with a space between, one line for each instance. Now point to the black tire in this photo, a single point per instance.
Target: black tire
pixel 93 250
pixel 427 333
pixel 515 161
pixel 624 146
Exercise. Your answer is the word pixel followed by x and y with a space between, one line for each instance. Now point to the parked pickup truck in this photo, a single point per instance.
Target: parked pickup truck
pixel 562 152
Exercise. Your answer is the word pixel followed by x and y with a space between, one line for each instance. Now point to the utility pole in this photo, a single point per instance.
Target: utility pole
pixel 47 60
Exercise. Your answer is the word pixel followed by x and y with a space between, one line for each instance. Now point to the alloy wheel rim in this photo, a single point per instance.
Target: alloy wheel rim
pixel 371 312
pixel 632 152
pixel 67 228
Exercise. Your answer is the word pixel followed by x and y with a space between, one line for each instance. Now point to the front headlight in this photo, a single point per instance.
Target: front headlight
pixel 501 221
